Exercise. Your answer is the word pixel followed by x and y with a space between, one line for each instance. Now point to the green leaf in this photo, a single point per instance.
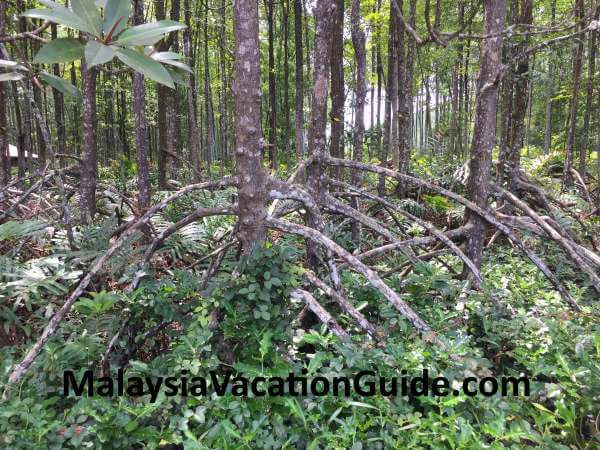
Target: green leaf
pixel 98 53
pixel 148 33
pixel 146 66
pixel 113 11
pixel 63 16
pixel 60 50
pixel 178 64
pixel 177 77
pixel 165 56
pixel 89 13
pixel 60 85
pixel 10 76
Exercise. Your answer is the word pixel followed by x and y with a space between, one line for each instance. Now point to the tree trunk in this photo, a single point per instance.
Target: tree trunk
pixel 286 79
pixel 59 109
pixel 336 144
pixel 193 135
pixel 485 125
pixel 4 157
pixel 89 163
pixel 272 114
pixel 360 57
pixel 389 95
pixel 299 79
pixel 405 98
pixel 141 128
pixel 519 104
pixel 325 13
pixel 576 77
pixel 251 175
pixel 588 103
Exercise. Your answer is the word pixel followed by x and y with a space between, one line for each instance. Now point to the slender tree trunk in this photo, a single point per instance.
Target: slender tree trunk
pixel 299 79
pixel 286 78
pixel 405 97
pixel 59 108
pixel 360 57
pixel 88 155
pixel 389 95
pixel 4 141
pixel 485 125
pixel 336 145
pixel 141 128
pixel 192 123
pixel 249 170
pixel 521 91
pixel 572 130
pixel 592 49
pixel 272 114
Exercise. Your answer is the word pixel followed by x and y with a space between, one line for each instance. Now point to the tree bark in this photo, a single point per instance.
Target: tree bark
pixel 193 135
pixel 405 97
pixel 485 125
pixel 336 144
pixel 572 130
pixel 141 128
pixel 360 57
pixel 272 129
pixel 299 79
pixel 89 163
pixel 592 49
pixel 251 175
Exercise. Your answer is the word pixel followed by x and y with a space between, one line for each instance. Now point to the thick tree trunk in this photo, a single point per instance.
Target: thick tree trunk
pixel 299 79
pixel 251 175
pixel 141 128
pixel 325 13
pixel 89 164
pixel 485 125
pixel 336 144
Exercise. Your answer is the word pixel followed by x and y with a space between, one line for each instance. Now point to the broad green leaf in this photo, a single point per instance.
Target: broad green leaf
pixel 177 77
pixel 98 53
pixel 60 85
pixel 148 33
pixel 89 13
pixel 10 76
pixel 61 16
pixel 177 64
pixel 115 10
pixel 145 65
pixel 164 56
pixel 60 50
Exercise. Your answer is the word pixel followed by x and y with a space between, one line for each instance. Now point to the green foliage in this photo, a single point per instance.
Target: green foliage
pixel 106 23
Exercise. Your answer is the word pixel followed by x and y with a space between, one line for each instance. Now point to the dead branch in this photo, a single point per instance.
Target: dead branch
pixel 20 369
pixel 353 262
pixel 321 313
pixel 344 304
pixel 487 215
